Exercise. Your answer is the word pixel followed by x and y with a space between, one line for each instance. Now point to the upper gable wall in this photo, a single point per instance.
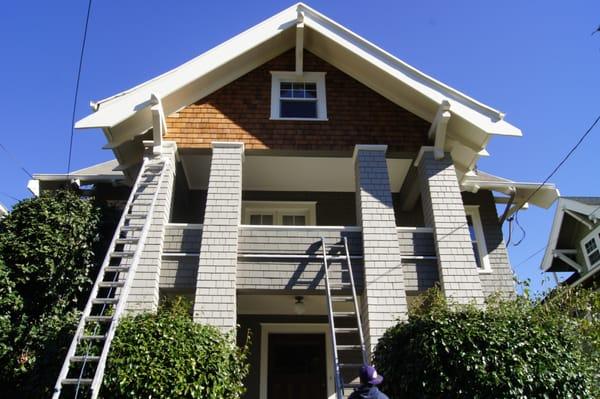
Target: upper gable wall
pixel 240 111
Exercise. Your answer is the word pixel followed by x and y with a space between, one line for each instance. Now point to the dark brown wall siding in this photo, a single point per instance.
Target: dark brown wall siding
pixel 240 111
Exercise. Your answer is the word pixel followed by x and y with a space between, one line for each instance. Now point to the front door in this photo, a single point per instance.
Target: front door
pixel 297 367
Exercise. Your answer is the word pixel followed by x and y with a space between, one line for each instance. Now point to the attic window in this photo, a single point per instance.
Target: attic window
pixel 298 97
pixel 591 248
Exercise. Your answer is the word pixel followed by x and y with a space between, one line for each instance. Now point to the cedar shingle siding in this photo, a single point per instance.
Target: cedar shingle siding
pixel 240 111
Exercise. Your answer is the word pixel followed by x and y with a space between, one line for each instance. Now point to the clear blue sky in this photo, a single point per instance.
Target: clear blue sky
pixel 534 60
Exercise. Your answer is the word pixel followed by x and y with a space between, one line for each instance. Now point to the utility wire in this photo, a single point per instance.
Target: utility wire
pixel 560 164
pixel 531 256
pixel 19 165
pixel 85 30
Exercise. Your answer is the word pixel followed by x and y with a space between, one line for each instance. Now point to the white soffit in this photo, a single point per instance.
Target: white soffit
pixel 127 113
pixel 274 173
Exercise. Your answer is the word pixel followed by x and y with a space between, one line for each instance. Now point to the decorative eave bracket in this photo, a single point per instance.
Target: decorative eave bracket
pixel 159 123
pixel 562 255
pixel 437 131
pixel 300 42
pixel 577 217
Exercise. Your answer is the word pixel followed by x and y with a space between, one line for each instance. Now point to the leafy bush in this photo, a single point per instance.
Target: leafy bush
pixel 167 355
pixel 513 348
pixel 47 259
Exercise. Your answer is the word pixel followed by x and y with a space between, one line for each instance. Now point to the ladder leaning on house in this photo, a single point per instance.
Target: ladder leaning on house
pixel 83 368
pixel 344 370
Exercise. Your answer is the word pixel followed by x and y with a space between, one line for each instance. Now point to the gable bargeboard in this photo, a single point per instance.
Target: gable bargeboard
pixel 240 111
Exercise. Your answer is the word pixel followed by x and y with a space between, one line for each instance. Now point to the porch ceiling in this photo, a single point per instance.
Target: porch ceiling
pixel 280 173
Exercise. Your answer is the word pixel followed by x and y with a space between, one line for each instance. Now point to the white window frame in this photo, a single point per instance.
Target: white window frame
pixel 595 235
pixel 280 208
pixel 309 77
pixel 484 259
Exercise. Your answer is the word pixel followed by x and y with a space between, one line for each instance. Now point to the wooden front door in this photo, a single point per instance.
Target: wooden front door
pixel 297 367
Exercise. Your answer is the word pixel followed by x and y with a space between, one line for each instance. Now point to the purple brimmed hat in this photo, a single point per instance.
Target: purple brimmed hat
pixel 368 375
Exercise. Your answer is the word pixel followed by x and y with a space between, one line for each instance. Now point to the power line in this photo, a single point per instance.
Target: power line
pixel 9 196
pixel 560 164
pixel 87 20
pixel 531 256
pixel 19 165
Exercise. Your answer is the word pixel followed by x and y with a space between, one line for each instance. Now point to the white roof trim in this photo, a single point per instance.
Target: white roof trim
pixel 122 106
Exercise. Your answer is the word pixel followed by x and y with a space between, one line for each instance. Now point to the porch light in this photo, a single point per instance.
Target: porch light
pixel 299 305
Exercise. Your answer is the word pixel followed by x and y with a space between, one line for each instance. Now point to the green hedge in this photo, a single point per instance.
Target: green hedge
pixel 513 348
pixel 46 264
pixel 167 355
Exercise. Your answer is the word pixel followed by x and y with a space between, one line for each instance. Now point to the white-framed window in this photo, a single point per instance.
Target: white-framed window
pixel 590 246
pixel 477 238
pixel 286 213
pixel 298 97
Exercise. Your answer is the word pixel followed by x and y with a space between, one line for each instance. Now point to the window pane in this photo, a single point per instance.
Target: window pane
pixel 286 85
pixel 254 219
pixel 310 94
pixel 311 86
pixel 298 109
pixel 288 220
pixel 471 228
pixel 285 93
pixel 300 220
pixel 476 252
pixel 590 246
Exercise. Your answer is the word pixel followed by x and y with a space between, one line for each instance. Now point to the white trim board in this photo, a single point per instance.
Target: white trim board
pixel 293 328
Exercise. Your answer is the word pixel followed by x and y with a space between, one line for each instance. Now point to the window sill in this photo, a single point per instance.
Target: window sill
pixel 300 119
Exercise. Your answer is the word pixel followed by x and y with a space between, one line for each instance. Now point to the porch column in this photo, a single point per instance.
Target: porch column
pixel 143 295
pixel 215 301
pixel 444 210
pixel 384 296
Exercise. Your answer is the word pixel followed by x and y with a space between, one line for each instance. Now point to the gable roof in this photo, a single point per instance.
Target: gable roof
pixel 587 208
pixel 127 114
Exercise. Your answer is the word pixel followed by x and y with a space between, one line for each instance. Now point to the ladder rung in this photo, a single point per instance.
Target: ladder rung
pixel 108 284
pixel 148 183
pixel 104 319
pixel 348 347
pixel 341 298
pixel 81 359
pixel 136 216
pixel 113 269
pixel 342 286
pixel 122 254
pixel 351 385
pixel 344 314
pixel 350 365
pixel 346 330
pixel 134 227
pixel 127 240
pixel 77 381
pixel 92 337
pixel 100 301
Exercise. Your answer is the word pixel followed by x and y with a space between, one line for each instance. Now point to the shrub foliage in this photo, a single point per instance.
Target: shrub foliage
pixel 513 348
pixel 167 355
pixel 46 260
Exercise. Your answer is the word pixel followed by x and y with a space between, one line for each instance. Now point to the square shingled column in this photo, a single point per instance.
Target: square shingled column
pixel 444 210
pixel 215 301
pixel 384 296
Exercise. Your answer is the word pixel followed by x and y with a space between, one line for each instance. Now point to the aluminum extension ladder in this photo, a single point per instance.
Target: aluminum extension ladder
pixel 83 369
pixel 345 355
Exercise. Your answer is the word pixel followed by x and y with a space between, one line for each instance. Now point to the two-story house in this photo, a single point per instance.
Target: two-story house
pixel 251 165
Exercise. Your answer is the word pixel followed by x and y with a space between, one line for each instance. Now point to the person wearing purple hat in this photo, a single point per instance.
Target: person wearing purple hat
pixel 369 379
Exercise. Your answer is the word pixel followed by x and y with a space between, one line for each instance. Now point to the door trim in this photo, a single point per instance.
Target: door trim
pixel 293 328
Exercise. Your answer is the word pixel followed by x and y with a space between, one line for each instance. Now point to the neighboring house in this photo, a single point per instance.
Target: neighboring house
pixel 294 130
pixel 574 244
